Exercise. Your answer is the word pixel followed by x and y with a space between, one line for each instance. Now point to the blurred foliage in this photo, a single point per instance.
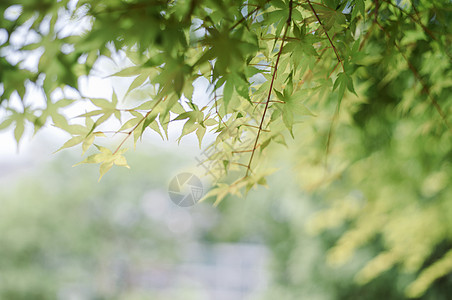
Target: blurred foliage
pixel 369 81
pixel 386 177
pixel 66 236
pixel 268 65
pixel 308 233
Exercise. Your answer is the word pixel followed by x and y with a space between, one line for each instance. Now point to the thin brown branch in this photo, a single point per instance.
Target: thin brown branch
pixel 112 132
pixel 216 109
pixel 253 126
pixel 245 17
pixel 419 78
pixel 366 36
pixel 327 35
pixel 271 101
pixel 215 99
pixel 309 72
pixel 275 70
pixel 138 124
pixel 416 21
pixel 369 31
pixel 243 151
pixel 335 67
pixel 336 113
pixel 242 165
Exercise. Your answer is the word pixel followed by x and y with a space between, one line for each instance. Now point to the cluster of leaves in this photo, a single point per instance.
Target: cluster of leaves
pixel 270 64
pixel 259 57
pixel 298 268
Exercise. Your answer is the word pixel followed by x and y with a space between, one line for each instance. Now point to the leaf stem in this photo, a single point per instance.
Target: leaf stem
pixel 138 124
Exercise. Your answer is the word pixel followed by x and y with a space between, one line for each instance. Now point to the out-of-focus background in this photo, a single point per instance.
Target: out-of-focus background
pixel 63 235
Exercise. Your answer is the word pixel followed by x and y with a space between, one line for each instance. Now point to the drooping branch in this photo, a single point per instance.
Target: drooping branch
pixel 336 112
pixel 327 35
pixel 275 70
pixel 215 98
pixel 246 17
pixel 415 20
pixel 425 87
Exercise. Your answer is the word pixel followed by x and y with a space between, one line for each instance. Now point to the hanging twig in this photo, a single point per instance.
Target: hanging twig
pixel 275 70
pixel 138 124
pixel 418 77
pixel 327 35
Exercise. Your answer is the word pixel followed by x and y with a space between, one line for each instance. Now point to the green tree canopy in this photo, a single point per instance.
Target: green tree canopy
pixel 370 81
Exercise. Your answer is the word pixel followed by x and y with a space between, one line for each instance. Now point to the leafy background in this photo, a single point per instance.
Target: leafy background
pixel 353 97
